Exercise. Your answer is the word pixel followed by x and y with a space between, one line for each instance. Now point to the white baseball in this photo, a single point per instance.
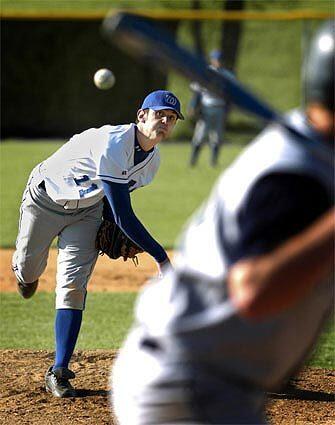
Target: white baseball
pixel 104 79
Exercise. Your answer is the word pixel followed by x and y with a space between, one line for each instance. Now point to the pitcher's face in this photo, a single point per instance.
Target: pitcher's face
pixel 156 125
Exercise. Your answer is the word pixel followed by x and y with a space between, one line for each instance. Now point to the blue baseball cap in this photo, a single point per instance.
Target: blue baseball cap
pixel 162 99
pixel 216 54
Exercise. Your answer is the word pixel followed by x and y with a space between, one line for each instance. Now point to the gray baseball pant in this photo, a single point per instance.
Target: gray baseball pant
pixel 42 220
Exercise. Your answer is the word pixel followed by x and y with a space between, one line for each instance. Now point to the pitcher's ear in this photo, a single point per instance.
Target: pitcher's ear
pixel 142 115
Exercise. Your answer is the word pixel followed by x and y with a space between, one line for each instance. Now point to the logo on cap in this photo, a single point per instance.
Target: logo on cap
pixel 171 100
pixel 162 99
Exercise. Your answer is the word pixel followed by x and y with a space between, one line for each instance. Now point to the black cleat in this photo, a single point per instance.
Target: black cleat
pixel 27 290
pixel 57 382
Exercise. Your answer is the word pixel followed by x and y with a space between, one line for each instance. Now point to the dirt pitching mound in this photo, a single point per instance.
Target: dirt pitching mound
pixel 25 401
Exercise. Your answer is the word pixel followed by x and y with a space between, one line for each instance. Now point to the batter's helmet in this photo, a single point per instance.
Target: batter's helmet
pixel 319 67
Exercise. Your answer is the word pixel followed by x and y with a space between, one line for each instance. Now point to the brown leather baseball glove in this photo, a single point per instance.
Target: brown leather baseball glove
pixel 112 241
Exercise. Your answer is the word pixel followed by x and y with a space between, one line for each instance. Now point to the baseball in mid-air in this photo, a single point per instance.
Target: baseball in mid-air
pixel 104 79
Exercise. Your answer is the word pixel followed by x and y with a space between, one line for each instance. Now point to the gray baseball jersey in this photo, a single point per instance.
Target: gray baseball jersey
pixel 73 174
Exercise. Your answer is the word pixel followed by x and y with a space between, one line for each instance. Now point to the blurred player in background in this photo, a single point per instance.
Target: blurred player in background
pixel 210 113
pixel 64 199
pixel 253 281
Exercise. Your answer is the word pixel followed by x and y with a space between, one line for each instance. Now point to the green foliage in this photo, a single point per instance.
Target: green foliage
pixel 103 5
pixel 29 324
pixel 262 5
pixel 269 62
pixel 92 5
pixel 265 76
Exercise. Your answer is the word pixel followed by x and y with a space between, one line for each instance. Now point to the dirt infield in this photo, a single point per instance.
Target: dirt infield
pixel 24 400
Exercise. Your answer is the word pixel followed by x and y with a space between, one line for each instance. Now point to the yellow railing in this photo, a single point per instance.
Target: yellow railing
pixel 172 14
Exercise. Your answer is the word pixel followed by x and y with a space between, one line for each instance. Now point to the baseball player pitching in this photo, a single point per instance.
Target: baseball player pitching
pixel 252 284
pixel 64 198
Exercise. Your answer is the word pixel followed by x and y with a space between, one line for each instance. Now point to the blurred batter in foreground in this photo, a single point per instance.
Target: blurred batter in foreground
pixel 252 285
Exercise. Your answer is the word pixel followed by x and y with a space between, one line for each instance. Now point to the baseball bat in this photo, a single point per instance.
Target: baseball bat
pixel 141 39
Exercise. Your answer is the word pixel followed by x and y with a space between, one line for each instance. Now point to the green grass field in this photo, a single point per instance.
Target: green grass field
pixel 30 324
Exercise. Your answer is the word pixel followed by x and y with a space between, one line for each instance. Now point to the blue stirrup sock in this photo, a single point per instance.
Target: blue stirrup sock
pixel 67 326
